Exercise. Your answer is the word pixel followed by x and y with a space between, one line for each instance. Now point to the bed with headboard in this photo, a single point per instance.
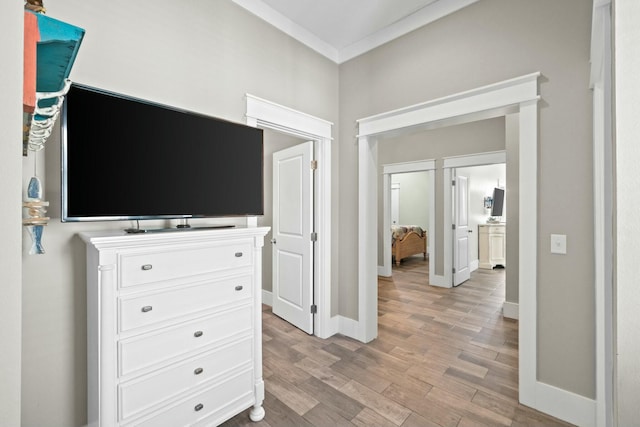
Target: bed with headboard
pixel 407 240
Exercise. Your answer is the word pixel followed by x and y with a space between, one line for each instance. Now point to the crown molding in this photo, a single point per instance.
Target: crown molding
pixel 424 16
pixel 287 26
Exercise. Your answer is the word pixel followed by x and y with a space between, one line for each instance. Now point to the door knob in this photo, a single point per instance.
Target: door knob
pixel 273 241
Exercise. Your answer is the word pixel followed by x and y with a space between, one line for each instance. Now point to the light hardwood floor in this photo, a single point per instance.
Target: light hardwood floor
pixel 443 357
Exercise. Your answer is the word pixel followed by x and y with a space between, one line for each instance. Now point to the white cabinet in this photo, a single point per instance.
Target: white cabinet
pixel 174 327
pixel 491 245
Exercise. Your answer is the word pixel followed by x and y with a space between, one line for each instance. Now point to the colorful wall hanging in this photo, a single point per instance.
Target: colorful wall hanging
pixel 50 49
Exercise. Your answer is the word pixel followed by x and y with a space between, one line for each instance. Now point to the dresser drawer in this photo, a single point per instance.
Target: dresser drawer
pixel 152 348
pixel 143 310
pixel 149 267
pixel 137 395
pixel 234 392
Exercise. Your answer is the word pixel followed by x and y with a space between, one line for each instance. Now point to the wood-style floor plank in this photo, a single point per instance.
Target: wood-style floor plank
pixel 443 358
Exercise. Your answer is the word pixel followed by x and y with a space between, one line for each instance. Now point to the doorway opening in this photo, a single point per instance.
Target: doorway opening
pixel 485 230
pixel 269 115
pixel 516 97
pixel 424 214
pixel 481 174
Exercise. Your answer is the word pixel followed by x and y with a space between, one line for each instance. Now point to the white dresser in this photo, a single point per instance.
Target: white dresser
pixel 492 248
pixel 174 327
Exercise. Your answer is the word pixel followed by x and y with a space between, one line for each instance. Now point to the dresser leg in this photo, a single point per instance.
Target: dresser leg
pixel 257 413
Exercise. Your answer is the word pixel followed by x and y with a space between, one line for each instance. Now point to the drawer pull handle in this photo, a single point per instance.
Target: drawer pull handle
pixel 146 267
pixel 197 334
pixel 199 407
pixel 238 254
pixel 198 371
pixel 239 288
pixel 147 308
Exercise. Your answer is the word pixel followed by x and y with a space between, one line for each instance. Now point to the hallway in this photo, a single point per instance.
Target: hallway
pixel 443 357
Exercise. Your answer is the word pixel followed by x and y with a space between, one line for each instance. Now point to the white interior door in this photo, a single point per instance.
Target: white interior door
pixel 395 204
pixel 292 241
pixel 461 270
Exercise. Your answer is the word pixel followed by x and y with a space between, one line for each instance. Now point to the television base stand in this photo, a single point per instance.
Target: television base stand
pixel 178 228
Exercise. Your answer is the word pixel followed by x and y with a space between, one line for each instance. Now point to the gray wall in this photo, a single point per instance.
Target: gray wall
pixel 11 22
pixel 199 55
pixel 490 41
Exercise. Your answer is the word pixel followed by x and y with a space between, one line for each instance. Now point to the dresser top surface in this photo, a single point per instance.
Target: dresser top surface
pixel 109 238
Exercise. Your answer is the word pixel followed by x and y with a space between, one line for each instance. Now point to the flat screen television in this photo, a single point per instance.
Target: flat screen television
pixel 498 202
pixel 129 159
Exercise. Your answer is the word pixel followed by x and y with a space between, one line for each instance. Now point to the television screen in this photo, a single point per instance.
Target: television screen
pixel 498 202
pixel 126 158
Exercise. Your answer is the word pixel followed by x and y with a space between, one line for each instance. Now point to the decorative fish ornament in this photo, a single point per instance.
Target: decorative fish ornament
pixel 37 219
pixel 34 190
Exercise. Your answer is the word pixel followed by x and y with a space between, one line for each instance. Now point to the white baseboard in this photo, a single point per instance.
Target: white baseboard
pixel 334 326
pixel 384 271
pixel 511 310
pixel 565 405
pixel 439 281
pixel 267 298
pixel 338 324
pixel 345 326
pixel 473 265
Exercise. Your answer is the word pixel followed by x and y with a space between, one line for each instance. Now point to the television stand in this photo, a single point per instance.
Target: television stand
pixel 174 327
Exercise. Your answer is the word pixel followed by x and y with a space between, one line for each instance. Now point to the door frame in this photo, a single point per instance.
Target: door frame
pixel 603 203
pixel 428 166
pixel 269 115
pixel 517 95
pixel 450 163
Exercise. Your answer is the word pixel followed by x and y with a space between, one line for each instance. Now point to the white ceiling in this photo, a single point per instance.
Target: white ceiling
pixel 344 29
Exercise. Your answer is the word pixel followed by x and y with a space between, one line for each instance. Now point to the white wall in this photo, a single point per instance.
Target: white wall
pixel 482 180
pixel 11 22
pixel 627 244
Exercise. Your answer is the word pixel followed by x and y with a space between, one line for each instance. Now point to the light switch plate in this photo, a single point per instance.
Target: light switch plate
pixel 559 244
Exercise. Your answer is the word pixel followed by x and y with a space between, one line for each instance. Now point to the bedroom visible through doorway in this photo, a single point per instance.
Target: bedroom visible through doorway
pixel 409 214
pixel 414 184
